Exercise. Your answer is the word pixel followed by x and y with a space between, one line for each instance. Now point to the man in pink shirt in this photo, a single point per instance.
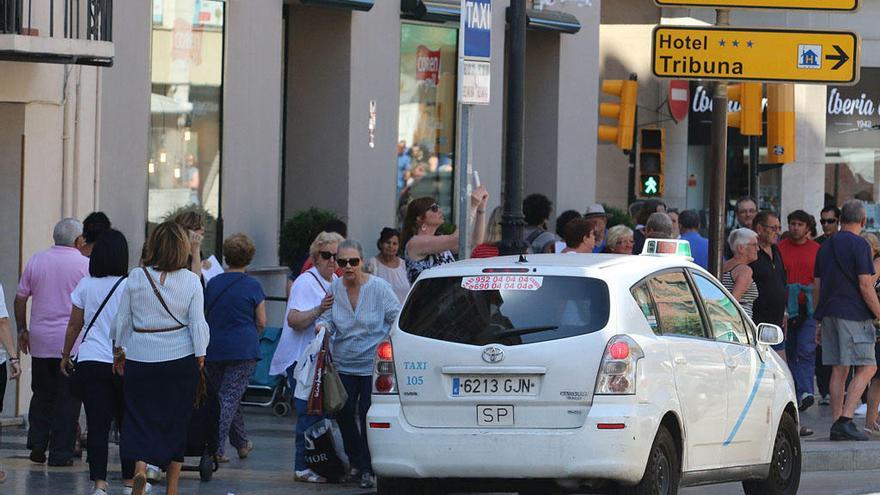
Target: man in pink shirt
pixel 49 277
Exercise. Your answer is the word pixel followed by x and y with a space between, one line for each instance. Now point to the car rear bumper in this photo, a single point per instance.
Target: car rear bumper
pixel 401 450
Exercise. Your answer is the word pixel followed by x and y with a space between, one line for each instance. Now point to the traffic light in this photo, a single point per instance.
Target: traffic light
pixel 624 112
pixel 780 123
pixel 749 119
pixel 651 159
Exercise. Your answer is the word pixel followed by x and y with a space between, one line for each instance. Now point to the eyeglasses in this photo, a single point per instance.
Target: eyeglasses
pixel 326 255
pixel 344 262
pixel 771 228
pixel 828 221
pixel 434 207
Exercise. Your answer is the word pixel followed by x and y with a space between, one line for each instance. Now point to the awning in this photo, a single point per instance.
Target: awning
pixel 362 5
pixel 450 11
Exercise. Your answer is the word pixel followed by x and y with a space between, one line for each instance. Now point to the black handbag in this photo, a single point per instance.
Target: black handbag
pixel 76 379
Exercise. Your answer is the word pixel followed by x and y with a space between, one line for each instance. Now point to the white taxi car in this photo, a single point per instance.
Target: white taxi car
pixel 628 374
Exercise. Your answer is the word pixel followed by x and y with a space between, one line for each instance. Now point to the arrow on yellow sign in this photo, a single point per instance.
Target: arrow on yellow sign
pixel 744 54
pixel 836 5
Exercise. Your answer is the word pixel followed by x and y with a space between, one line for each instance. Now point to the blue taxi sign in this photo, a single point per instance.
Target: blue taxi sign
pixel 667 247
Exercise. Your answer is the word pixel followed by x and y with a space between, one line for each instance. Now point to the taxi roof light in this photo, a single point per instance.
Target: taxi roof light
pixel 667 247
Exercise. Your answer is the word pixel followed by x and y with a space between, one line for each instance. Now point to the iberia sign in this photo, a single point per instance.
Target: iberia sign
pixel 839 5
pixel 756 54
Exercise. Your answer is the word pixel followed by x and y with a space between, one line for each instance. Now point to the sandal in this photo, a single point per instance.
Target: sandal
pixel 243 452
pixel 805 432
pixel 139 484
pixel 308 476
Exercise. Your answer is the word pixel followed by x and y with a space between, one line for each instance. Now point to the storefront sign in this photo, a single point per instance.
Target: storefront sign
pixel 700 118
pixel 428 65
pixel 756 54
pixel 186 44
pixel 839 5
pixel 852 113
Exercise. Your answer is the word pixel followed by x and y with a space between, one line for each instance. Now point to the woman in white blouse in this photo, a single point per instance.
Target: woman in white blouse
pixel 160 341
pixel 387 265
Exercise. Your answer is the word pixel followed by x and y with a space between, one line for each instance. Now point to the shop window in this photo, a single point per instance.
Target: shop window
pixel 183 167
pixel 426 125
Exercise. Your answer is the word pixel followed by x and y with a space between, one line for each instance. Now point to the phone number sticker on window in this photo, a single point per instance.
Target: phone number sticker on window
pixel 502 282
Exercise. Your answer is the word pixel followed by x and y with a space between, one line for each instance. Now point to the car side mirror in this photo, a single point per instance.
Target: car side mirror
pixel 769 334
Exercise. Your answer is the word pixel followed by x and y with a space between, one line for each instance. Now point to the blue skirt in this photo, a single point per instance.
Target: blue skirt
pixel 159 401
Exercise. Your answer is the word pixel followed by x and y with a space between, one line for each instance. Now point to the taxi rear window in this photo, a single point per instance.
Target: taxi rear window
pixel 480 310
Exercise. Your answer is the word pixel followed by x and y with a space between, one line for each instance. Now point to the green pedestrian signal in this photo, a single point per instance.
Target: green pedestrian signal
pixel 651 185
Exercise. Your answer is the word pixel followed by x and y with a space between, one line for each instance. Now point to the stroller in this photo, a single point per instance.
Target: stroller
pixel 266 390
pixel 202 437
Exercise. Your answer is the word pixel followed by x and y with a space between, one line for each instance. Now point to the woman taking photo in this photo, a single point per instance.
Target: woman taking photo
pixel 736 272
pixel 235 308
pixel 160 341
pixel 309 298
pixel 194 223
pixel 95 301
pixel 422 248
pixel 364 308
pixel 387 265
pixel 489 248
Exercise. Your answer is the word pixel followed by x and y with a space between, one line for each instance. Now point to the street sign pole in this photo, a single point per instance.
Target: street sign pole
pixel 464 170
pixel 512 218
pixel 754 150
pixel 718 194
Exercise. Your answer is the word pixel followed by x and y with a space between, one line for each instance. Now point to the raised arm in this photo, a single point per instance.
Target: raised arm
pixel 198 327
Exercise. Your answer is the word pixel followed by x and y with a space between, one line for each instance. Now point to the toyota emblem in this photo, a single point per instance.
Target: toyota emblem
pixel 493 354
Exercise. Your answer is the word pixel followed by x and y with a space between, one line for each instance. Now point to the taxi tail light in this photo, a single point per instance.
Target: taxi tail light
pixel 383 370
pixel 617 372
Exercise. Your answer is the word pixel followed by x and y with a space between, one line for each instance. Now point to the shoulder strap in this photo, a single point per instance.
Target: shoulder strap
pixel 209 307
pixel 318 280
pixel 839 264
pixel 159 296
pixel 534 235
pixel 101 307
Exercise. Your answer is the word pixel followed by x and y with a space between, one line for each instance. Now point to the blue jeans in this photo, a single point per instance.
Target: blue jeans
pixel 800 352
pixel 352 420
pixel 303 422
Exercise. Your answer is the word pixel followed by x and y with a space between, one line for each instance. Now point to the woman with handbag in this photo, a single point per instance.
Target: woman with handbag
pixel 160 339
pixel 364 308
pixel 235 308
pixel 95 300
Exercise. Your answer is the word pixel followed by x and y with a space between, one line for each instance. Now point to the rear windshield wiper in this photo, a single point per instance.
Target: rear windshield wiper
pixel 515 332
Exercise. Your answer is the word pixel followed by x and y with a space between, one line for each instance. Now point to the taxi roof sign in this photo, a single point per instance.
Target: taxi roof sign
pixel 667 247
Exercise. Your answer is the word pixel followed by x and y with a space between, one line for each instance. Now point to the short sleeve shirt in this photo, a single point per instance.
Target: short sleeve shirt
pixel 231 301
pixel 769 275
pixel 88 295
pixel 839 294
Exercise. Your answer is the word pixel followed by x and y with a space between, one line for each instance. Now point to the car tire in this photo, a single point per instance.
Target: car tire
pixel 396 486
pixel 663 470
pixel 785 464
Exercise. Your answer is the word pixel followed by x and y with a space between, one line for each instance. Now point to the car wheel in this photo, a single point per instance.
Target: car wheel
pixel 396 486
pixel 663 471
pixel 785 465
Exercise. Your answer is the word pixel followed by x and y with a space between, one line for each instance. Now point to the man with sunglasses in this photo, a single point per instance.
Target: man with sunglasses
pixel 768 272
pixel 830 220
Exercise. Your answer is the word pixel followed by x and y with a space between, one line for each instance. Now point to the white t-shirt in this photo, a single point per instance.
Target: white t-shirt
pixel 3 314
pixel 305 294
pixel 88 295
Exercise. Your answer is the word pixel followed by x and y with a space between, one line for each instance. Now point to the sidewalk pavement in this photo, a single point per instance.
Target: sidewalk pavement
pixel 821 454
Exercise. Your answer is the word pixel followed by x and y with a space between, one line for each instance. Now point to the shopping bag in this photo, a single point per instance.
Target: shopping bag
pixel 334 395
pixel 324 450
pixel 316 400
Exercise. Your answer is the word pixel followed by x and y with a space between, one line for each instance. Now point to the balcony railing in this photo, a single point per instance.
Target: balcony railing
pixel 63 20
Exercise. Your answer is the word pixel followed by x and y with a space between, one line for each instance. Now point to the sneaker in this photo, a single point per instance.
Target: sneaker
pixel 222 459
pixel 825 400
pixel 861 410
pixel 366 481
pixel 99 491
pixel 154 474
pixel 807 400
pixel 126 490
pixel 873 430
pixel 308 476
pixel 245 451
pixel 845 429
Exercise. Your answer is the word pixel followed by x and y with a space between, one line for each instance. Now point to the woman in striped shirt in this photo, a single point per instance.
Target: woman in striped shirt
pixel 736 272
pixel 364 308
pixel 160 338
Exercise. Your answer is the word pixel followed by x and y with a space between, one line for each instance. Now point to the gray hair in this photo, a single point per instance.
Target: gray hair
pixel 660 226
pixel 352 244
pixel 322 240
pixel 67 231
pixel 616 234
pixel 740 237
pixel 853 211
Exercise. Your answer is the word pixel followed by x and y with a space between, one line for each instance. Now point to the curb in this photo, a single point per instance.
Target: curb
pixel 825 455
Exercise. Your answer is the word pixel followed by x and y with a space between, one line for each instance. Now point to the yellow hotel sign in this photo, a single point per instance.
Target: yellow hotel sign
pixel 745 54
pixel 844 5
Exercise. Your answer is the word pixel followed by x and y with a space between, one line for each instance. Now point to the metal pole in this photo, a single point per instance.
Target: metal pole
pixel 512 219
pixel 754 151
pixel 718 195
pixel 463 169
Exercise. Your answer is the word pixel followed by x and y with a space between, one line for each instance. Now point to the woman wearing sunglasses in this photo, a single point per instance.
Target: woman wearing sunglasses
pixel 364 308
pixel 422 247
pixel 309 298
